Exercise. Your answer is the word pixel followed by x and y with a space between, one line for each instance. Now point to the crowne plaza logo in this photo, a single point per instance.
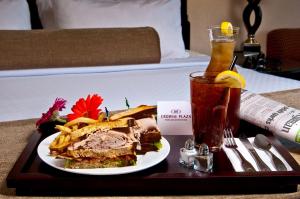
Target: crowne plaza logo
pixel 175 111
pixel 176 115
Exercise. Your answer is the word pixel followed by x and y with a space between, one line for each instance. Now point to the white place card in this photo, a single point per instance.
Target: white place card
pixel 174 117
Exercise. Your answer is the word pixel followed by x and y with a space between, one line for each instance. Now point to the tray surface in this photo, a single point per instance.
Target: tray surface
pixel 31 176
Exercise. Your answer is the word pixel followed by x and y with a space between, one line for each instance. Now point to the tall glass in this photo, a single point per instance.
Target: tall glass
pixel 214 105
pixel 222 49
pixel 210 108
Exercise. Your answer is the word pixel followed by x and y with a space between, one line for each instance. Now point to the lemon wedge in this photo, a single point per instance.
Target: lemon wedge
pixel 226 28
pixel 231 79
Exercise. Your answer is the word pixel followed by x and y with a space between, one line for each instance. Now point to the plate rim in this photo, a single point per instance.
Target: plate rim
pixel 164 152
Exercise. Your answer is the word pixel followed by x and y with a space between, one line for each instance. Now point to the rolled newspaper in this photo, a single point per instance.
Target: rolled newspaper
pixel 271 115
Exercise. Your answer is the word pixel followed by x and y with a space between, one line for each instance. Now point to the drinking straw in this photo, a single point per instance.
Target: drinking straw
pixel 231 67
pixel 233 63
pixel 225 97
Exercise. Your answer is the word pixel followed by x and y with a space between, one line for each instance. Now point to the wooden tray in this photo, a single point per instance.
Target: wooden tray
pixel 30 176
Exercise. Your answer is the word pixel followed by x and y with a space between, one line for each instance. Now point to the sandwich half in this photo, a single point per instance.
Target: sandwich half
pixel 112 143
pixel 100 148
pixel 144 129
pixel 148 135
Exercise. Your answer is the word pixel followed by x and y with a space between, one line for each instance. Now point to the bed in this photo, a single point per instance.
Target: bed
pixel 27 93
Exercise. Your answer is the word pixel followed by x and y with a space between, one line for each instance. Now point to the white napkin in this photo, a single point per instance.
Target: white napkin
pixel 265 156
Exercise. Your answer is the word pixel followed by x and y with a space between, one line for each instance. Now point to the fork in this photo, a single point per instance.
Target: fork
pixel 230 143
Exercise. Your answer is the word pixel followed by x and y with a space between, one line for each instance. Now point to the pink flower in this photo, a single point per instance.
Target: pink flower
pixel 52 113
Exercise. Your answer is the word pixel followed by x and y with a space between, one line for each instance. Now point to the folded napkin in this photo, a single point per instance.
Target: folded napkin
pixel 265 156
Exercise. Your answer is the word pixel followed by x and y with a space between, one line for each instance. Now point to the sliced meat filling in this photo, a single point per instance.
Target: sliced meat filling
pixel 103 140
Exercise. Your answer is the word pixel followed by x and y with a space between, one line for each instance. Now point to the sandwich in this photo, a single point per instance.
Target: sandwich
pixel 111 143
pixel 102 149
pixel 144 128
pixel 94 147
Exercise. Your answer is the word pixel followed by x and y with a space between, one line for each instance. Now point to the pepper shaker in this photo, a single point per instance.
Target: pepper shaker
pixel 204 159
pixel 188 153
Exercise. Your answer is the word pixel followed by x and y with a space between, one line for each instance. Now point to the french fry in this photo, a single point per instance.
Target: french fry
pixel 61 139
pixel 60 142
pixel 101 117
pixel 67 138
pixel 74 127
pixel 85 120
pixel 63 129
pixel 57 146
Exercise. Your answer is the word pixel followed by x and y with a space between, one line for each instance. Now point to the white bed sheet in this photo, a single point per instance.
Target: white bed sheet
pixel 27 93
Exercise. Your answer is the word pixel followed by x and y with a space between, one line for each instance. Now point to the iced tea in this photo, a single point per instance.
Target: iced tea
pixel 222 49
pixel 221 55
pixel 214 108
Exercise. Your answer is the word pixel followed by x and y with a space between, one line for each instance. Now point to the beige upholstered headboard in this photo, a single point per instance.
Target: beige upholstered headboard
pixel 42 48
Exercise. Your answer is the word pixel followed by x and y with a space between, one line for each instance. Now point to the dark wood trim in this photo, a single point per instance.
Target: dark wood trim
pixel 185 24
pixel 34 15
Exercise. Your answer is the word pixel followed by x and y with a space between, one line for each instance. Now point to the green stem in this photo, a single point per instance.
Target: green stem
pixel 61 119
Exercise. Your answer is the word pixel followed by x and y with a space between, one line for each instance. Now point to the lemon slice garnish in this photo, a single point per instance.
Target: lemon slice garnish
pixel 226 28
pixel 231 79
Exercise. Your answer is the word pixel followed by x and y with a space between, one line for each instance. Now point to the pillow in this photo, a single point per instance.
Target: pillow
pixel 14 15
pixel 162 15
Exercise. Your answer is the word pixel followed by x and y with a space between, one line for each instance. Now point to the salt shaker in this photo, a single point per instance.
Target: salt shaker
pixel 188 153
pixel 204 159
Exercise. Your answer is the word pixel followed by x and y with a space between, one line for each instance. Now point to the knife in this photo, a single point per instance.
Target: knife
pixel 261 165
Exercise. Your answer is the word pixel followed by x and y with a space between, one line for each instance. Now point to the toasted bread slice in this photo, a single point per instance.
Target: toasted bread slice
pixel 110 153
pixel 120 123
pixel 136 113
pixel 87 163
pixel 150 136
pixel 148 130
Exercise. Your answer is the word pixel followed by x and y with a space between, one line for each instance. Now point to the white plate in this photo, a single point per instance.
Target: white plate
pixel 143 161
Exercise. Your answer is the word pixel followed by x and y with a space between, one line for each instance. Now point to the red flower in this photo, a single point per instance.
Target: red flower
pixel 86 108
pixel 52 113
